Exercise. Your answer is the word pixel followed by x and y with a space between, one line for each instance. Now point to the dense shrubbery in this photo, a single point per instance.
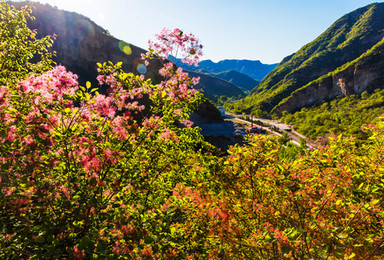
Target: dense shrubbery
pixel 91 176
pixel 324 205
pixel 342 115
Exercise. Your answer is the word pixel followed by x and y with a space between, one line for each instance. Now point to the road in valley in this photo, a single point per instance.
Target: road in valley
pixel 295 136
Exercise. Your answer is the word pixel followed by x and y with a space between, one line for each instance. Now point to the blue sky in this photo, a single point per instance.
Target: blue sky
pixel 265 30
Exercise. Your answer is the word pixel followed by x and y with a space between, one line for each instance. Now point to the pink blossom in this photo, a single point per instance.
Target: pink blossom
pixel 169 65
pixel 11 133
pixel 100 79
pixel 3 95
pixel 51 86
pixel 195 80
pixel 77 253
pixel 187 123
pixel 176 42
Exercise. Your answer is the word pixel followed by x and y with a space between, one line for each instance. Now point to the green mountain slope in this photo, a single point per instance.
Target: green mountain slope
pixel 365 73
pixel 347 39
pixel 341 115
pixel 252 68
pixel 214 87
pixel 241 80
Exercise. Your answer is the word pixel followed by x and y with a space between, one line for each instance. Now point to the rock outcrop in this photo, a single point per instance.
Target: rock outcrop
pixel 80 43
pixel 346 40
pixel 366 73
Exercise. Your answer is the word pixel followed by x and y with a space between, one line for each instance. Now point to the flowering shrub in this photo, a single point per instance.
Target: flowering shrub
pixel 78 180
pixel 90 175
pixel 172 43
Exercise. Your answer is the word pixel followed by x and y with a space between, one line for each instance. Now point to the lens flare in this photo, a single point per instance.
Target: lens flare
pixel 85 27
pixel 141 69
pixel 127 50
pixel 124 47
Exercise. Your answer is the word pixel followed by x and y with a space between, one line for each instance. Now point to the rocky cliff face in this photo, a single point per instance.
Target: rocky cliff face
pixel 364 74
pixel 80 43
pixel 347 39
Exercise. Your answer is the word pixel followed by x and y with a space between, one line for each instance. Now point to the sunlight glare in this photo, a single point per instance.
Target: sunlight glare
pixel 141 69
pixel 124 47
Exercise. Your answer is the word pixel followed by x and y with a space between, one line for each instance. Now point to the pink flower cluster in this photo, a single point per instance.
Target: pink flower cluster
pixel 51 86
pixel 177 87
pixel 176 42
pixel 125 96
pixel 71 154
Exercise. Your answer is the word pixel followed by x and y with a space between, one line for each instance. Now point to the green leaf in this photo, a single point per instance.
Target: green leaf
pixel 342 235
pixel 369 240
pixel 41 239
pixel 360 186
pixel 375 202
pixel 85 242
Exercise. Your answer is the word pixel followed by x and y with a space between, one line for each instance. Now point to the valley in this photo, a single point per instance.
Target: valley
pixel 273 127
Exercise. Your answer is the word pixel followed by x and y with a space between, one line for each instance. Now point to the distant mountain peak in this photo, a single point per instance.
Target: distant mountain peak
pixel 343 42
pixel 253 68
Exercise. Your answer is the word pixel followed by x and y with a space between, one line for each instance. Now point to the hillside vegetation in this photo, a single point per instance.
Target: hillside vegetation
pixel 347 39
pixel 341 115
pixel 215 88
pixel 365 73
pixel 241 80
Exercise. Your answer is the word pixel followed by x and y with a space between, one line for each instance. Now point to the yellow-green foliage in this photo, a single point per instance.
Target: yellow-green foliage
pixel 342 115
pixel 19 45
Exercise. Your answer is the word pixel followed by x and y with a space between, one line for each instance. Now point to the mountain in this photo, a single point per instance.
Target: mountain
pixel 80 44
pixel 241 80
pixel 214 87
pixel 344 60
pixel 366 73
pixel 252 68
